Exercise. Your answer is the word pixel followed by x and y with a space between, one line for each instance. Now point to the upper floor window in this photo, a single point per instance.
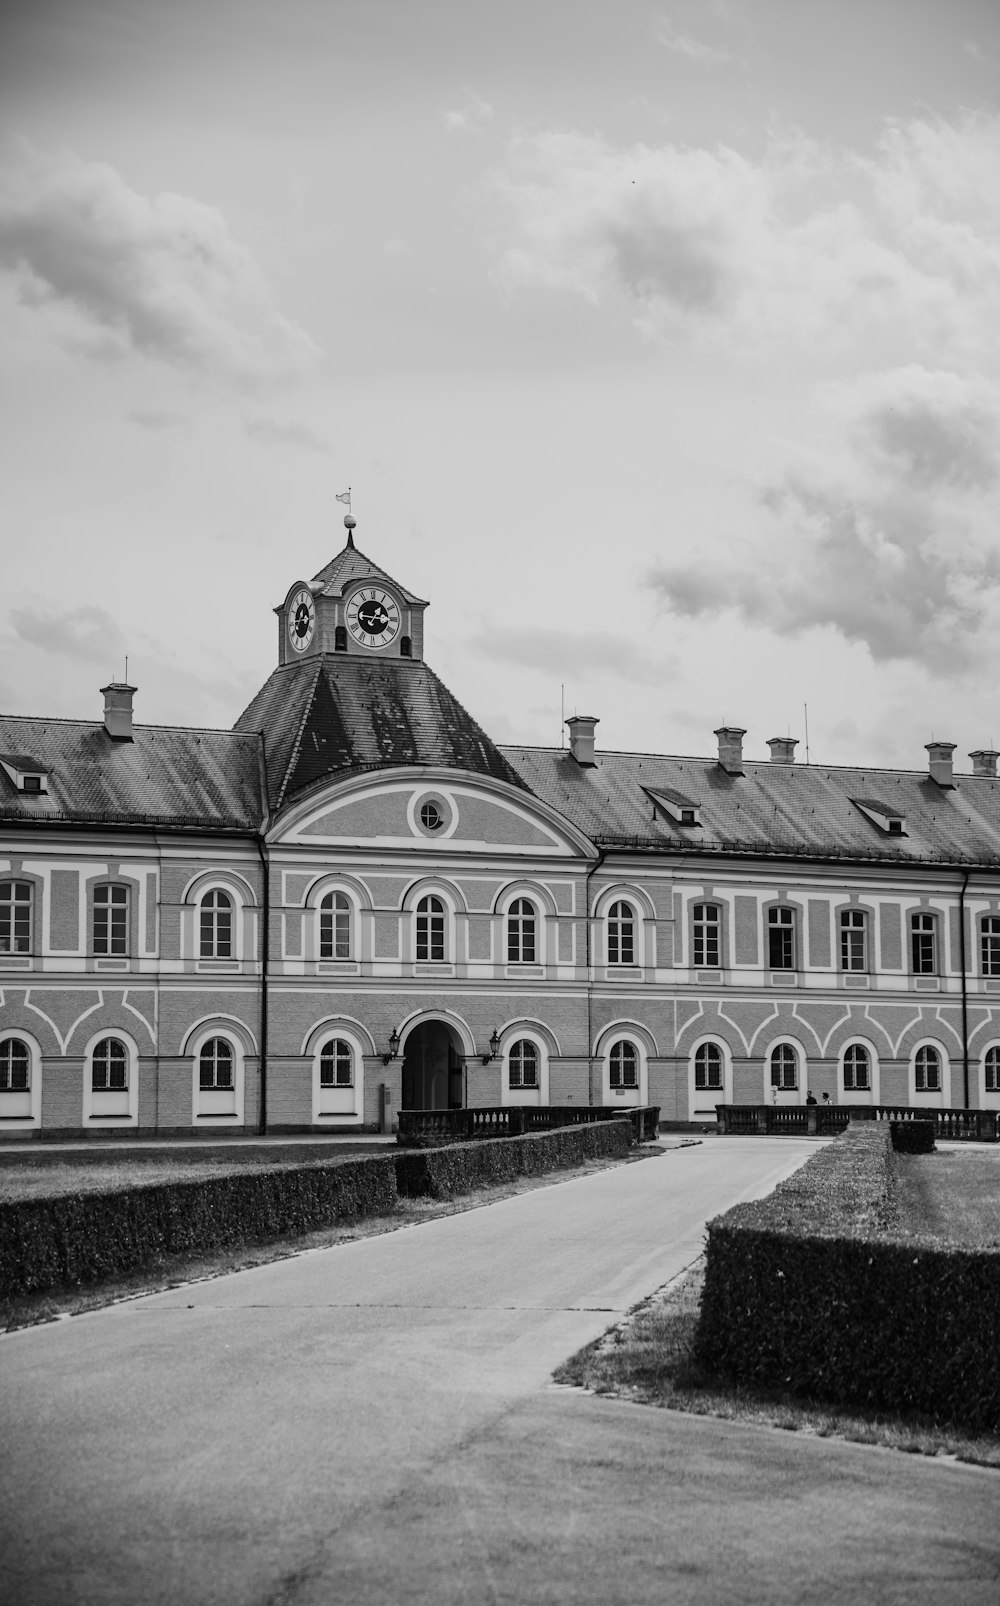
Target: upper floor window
pixel 336 1064
pixel 708 1066
pixel 111 919
pixel 430 928
pixel 853 939
pixel 624 1064
pixel 784 1067
pixel 927 1070
pixel 522 1063
pixel 621 934
pixel 990 940
pixel 335 927
pixel 781 938
pixel 923 944
pixel 993 1070
pixel 707 948
pixel 15 917
pixel 521 920
pixel 857 1069
pixel 215 1064
pixel 216 925
pixel 431 817
pixel 15 1061
pixel 109 1066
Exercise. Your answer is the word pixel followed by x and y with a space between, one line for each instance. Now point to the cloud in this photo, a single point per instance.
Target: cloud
pixel 88 634
pixel 974 50
pixel 809 250
pixel 157 418
pixel 898 553
pixel 474 113
pixel 160 276
pixel 598 654
pixel 693 49
pixel 272 432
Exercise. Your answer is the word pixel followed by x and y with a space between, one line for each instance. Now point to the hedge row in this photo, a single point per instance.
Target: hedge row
pixel 83 1238
pixel 462 1167
pixel 839 1306
pixel 913 1137
pixel 87 1237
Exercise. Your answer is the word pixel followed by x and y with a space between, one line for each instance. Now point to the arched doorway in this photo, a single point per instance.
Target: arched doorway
pixel 432 1068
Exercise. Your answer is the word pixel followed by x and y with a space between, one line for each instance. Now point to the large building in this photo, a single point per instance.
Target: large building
pixel 355 902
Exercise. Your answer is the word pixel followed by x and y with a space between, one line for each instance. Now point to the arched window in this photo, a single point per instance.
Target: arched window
pixel 707 949
pixel 15 1061
pixel 624 1064
pixel 111 919
pixel 784 1067
pixel 927 1070
pixel 215 1064
pixel 335 926
pixel 216 925
pixel 857 1069
pixel 336 1064
pixel 522 1063
pixel 430 928
pixel 15 917
pixel 708 1066
pixel 521 918
pixel 109 1066
pixel 993 1070
pixel 621 934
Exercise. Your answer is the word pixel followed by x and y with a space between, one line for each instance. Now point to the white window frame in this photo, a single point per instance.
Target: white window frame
pixel 212 1108
pixel 787 1095
pixel 13 881
pixel 216 890
pixel 794 929
pixel 871 1094
pixel 933 931
pixel 111 1108
pixel 337 1106
pixel 719 911
pixel 22 1111
pixel 702 1100
pixel 624 1097
pixel 241 898
pixel 516 1033
pixel 933 1098
pixel 989 1098
pixel 986 941
pixel 539 930
pixel 415 896
pixel 851 911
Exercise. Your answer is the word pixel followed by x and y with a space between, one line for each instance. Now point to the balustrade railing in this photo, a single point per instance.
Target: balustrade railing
pixel 826 1120
pixel 427 1127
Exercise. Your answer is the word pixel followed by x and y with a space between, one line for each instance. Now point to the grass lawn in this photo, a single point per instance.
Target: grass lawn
pixel 110 1173
pixel 952 1195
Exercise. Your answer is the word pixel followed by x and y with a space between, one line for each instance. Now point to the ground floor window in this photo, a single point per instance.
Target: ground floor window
pixel 708 1066
pixel 215 1065
pixel 624 1064
pixel 993 1070
pixel 927 1070
pixel 784 1068
pixel 522 1064
pixel 14 1065
pixel 336 1064
pixel 109 1066
pixel 857 1069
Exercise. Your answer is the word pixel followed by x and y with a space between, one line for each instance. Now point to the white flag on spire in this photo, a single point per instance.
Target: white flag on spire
pixel 344 496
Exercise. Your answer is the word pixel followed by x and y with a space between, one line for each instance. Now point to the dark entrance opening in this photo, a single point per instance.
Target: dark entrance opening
pixel 432 1069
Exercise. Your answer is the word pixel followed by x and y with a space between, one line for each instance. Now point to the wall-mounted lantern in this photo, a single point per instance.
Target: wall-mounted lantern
pixel 393 1047
pixel 494 1047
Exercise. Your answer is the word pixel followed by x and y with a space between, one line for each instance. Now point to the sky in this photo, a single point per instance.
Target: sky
pixel 658 343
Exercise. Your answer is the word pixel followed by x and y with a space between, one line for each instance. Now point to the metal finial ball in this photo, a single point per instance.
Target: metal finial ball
pixel 350 523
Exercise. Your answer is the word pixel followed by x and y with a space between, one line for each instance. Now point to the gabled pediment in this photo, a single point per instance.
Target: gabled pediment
pixel 432 809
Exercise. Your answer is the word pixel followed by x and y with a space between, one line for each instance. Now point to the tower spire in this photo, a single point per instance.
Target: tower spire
pixel 350 522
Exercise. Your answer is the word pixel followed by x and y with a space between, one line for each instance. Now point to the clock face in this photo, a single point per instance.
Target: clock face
pixel 301 620
pixel 373 617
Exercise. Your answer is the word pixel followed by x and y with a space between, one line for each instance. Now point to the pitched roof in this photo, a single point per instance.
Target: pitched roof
pixel 165 776
pixel 350 565
pixel 775 809
pixel 337 712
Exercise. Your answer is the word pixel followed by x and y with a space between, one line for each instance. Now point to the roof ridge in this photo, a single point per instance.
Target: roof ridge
pixel 762 763
pixel 145 725
pixel 326 573
pixel 297 743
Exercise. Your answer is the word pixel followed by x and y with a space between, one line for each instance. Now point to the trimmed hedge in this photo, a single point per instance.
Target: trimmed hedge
pixel 816 1291
pixel 461 1167
pixel 82 1238
pixel 912 1137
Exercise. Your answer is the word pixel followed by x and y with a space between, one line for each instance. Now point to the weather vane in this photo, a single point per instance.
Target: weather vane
pixel 350 522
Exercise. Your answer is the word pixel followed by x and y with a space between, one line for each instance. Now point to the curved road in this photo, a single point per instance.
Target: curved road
pixel 373 1423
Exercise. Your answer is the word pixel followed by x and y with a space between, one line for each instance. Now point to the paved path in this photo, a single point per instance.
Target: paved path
pixel 373 1423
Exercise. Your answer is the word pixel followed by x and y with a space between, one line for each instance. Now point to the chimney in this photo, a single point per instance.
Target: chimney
pixel 940 762
pixel 984 762
pixel 118 710
pixel 731 748
pixel 581 739
pixel 783 749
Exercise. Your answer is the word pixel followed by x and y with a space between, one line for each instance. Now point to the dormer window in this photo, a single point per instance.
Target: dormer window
pixel 680 810
pixel 27 774
pixel 882 815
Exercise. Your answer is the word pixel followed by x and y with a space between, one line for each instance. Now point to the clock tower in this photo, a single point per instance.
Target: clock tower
pixel 352 606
